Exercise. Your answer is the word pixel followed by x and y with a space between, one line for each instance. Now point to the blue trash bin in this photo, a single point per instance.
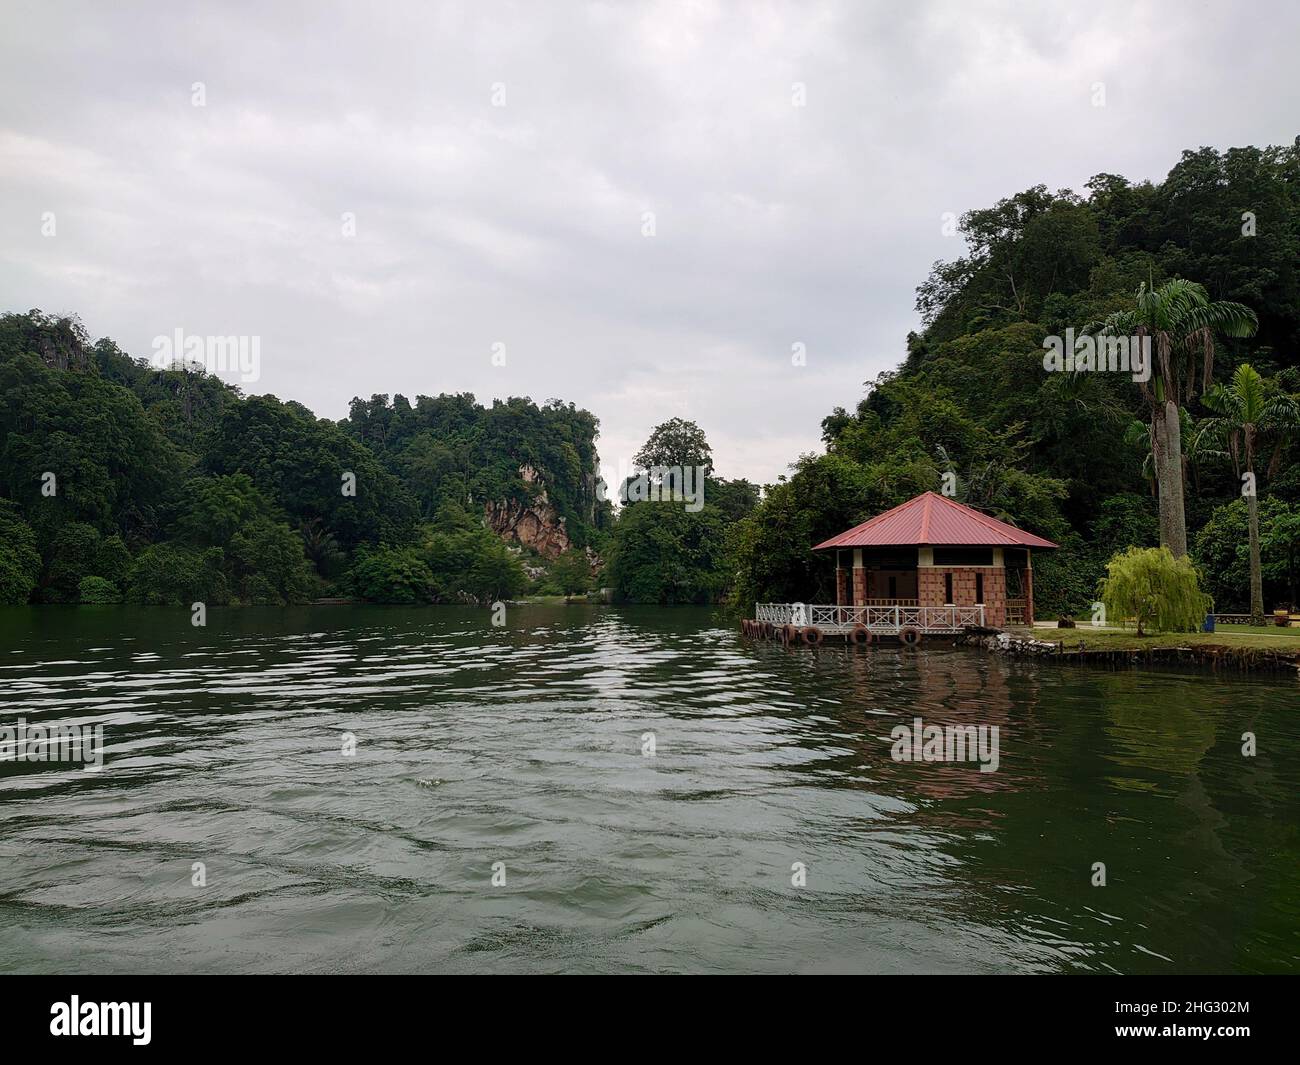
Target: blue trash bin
pixel 1209 623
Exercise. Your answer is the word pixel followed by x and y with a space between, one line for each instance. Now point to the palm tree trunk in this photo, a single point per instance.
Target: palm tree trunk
pixel 1173 518
pixel 1169 473
pixel 1159 448
pixel 1256 573
pixel 1252 509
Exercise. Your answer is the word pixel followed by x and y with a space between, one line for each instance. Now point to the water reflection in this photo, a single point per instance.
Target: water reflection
pixel 524 745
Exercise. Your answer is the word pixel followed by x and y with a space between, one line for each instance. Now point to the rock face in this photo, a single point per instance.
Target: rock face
pixel 536 524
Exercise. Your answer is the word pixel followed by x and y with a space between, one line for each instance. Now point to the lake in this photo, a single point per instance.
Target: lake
pixel 592 789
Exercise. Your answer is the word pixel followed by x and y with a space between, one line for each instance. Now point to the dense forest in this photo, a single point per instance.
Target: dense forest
pixel 123 481
pixel 120 481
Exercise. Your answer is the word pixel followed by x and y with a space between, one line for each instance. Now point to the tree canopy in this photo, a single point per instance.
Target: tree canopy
pixel 122 481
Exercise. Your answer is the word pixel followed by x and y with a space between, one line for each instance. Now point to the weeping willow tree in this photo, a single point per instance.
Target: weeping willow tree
pixel 1153 586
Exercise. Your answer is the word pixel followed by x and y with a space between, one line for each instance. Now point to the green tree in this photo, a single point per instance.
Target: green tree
pixel 322 548
pixel 72 557
pixel 172 575
pixel 663 553
pixel 112 560
pixel 676 442
pixel 1125 520
pixel 496 573
pixel 213 509
pixel 572 573
pixel 391 575
pixel 267 564
pixel 1222 551
pixel 1282 541
pixel 736 499
pixel 20 562
pixel 304 463
pixel 264 561
pixel 97 590
pixel 1181 322
pixel 1248 411
pixel 1157 588
pixel 467 561
pixel 112 466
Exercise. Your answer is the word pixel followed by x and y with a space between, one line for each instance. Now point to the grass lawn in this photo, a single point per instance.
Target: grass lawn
pixel 1262 638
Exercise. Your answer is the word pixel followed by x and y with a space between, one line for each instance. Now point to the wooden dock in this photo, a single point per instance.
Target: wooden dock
pixel 811 623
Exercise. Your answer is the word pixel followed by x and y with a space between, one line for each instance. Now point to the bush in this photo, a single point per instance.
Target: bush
pixel 469 561
pixel 98 590
pixel 167 575
pixel 391 575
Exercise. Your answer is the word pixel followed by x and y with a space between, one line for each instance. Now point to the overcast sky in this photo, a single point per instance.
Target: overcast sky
pixel 525 224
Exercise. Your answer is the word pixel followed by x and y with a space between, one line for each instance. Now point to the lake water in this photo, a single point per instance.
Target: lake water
pixel 524 745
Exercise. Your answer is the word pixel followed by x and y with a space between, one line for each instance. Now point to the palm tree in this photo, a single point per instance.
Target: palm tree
pixel 1139 435
pixel 1181 321
pixel 320 546
pixel 1247 410
pixel 1197 451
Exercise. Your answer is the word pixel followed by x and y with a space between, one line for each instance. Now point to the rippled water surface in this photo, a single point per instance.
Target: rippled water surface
pixel 524 746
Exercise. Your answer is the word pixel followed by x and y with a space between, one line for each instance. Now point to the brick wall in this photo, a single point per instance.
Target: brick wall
pixel 930 587
pixel 841 587
pixel 859 586
pixel 932 590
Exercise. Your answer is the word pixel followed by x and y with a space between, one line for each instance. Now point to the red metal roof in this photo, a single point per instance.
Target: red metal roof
pixel 934 519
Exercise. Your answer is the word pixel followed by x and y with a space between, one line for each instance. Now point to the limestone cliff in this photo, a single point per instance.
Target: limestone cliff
pixel 535 523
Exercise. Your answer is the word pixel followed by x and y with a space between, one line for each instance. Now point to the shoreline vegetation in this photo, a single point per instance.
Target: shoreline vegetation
pixel 125 481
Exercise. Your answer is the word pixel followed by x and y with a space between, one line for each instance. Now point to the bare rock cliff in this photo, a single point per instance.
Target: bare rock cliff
pixel 536 524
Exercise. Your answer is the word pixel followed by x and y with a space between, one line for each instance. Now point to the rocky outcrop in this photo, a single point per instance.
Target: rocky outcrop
pixel 535 524
pixel 1005 642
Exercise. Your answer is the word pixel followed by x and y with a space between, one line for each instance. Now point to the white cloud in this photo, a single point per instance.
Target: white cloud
pixel 522 224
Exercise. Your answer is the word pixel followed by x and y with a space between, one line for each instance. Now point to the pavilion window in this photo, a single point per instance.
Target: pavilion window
pixel 979 589
pixel 947 588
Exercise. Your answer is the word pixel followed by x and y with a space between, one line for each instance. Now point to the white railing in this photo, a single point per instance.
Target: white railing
pixel 890 619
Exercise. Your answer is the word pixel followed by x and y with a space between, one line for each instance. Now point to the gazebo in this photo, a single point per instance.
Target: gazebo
pixel 931 565
pixel 933 551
